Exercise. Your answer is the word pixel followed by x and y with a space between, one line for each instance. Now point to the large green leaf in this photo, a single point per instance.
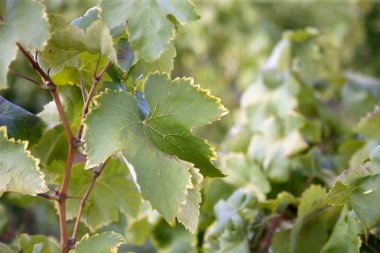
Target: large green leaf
pixel 152 143
pixel 24 22
pixel 20 123
pixel 113 192
pixel 344 238
pixel 149 27
pixel 19 170
pixel 106 242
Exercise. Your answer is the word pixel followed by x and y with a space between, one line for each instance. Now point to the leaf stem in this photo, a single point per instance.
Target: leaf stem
pixel 40 85
pixel 96 80
pixel 82 204
pixel 265 243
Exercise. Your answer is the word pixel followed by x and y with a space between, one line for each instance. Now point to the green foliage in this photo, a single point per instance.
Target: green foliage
pixel 299 167
pixel 24 22
pixel 19 170
pixel 104 242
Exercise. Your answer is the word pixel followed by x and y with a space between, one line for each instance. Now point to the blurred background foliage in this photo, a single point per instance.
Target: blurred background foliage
pixel 323 74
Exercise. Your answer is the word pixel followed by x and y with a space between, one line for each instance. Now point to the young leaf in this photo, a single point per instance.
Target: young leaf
pixel 24 22
pixel 19 170
pixel 149 27
pixel 104 242
pixel 113 192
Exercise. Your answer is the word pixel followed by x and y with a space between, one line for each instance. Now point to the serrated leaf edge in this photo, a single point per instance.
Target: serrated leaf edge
pixel 3 131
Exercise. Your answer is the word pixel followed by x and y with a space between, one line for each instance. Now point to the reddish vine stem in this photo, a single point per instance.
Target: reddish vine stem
pixel 82 204
pixel 96 80
pixel 62 195
pixel 265 243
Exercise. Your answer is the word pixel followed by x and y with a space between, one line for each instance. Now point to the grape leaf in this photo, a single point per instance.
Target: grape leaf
pixel 19 170
pixel 368 124
pixel 165 132
pixel 188 213
pixel 125 54
pixel 38 244
pixel 311 200
pixel 162 64
pixel 167 126
pixel 24 22
pixel 99 243
pixel 84 67
pixel 245 174
pixel 69 41
pixel 87 19
pixel 113 192
pixel 20 123
pixel 149 27
pixel 344 238
pixel 338 194
pixel 364 199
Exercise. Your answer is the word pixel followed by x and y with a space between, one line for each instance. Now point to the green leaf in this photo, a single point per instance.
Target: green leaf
pixel 51 146
pixel 233 240
pixel 6 249
pixel 113 192
pixel 280 241
pixel 167 127
pixel 8 54
pixel 83 67
pixel 99 40
pixel 106 242
pixel 311 201
pixel 149 27
pixel 338 194
pixel 188 213
pixel 368 125
pixel 344 238
pixel 29 22
pixel 175 107
pixel 163 64
pixel 87 19
pixel 69 41
pixel 125 54
pixel 245 174
pixel 150 143
pixel 20 123
pixel 38 244
pixel 19 170
pixel 364 200
pixel 24 22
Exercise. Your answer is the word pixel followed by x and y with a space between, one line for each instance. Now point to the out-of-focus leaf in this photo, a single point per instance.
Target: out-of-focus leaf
pixel 20 123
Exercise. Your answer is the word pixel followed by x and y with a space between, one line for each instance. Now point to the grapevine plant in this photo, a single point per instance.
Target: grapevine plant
pixel 114 151
pixel 117 138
